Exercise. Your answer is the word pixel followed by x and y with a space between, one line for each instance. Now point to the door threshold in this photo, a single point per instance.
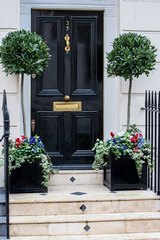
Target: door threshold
pixel 73 167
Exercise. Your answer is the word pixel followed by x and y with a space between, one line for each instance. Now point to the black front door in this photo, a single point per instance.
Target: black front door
pixel 67 98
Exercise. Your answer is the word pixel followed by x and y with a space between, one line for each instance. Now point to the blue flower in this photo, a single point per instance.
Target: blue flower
pixel 32 140
pixel 140 145
pixel 119 140
pixel 141 140
pixel 40 144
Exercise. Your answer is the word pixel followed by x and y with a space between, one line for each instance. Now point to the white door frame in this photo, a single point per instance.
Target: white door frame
pixel 111 87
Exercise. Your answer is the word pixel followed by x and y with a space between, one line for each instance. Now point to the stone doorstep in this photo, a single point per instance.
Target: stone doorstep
pixel 85 218
pixel 76 177
pixel 84 207
pixel 85 224
pixel 96 200
pixel 92 193
pixel 132 236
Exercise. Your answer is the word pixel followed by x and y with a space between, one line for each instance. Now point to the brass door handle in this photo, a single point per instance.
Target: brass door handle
pixel 66 98
pixel 67 47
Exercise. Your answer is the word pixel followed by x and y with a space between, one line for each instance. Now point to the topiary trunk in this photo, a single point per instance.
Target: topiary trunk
pixel 129 103
pixel 22 105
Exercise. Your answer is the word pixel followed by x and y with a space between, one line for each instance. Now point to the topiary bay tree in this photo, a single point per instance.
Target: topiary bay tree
pixel 132 55
pixel 23 52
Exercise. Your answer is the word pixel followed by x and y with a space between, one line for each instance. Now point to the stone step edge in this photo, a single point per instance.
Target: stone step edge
pixel 85 218
pixel 66 172
pixel 130 236
pixel 2 198
pixel 54 198
pixel 78 200
pixel 2 220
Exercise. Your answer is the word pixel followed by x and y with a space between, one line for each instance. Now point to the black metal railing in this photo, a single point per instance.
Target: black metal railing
pixel 152 133
pixel 5 138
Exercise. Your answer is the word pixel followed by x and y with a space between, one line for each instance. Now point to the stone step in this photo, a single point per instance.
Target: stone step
pixel 96 200
pixel 2 226
pixel 2 191
pixel 2 204
pixel 76 177
pixel 2 209
pixel 89 224
pixel 131 236
pixel 83 207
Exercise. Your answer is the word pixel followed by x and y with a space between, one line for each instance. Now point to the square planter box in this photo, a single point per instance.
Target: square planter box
pixel 121 174
pixel 27 179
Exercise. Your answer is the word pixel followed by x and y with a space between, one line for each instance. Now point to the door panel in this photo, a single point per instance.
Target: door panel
pixel 51 126
pixel 78 73
pixel 83 132
pixel 84 73
pixel 51 30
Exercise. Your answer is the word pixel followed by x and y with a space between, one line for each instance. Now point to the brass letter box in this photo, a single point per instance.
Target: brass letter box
pixel 67 106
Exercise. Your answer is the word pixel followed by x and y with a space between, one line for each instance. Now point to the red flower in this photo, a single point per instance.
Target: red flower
pixel 18 142
pixel 23 138
pixel 136 136
pixel 141 135
pixel 133 140
pixel 135 149
pixel 112 134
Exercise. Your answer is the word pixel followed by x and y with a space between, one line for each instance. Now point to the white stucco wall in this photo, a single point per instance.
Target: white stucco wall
pixel 9 21
pixel 143 17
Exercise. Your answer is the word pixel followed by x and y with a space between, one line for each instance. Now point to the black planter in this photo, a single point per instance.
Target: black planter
pixel 27 179
pixel 121 174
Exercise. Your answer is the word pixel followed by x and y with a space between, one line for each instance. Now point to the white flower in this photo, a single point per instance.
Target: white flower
pixel 120 134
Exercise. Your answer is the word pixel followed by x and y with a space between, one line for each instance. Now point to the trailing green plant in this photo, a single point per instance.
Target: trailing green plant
pixel 30 150
pixel 1 162
pixel 131 56
pixel 23 52
pixel 130 143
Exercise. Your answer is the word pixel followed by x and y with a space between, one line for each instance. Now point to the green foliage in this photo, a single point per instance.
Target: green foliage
pixel 131 56
pixel 126 143
pixel 29 150
pixel 1 163
pixel 23 52
pixel 101 150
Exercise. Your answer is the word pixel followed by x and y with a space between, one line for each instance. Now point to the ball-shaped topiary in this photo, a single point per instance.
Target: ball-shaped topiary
pixel 131 56
pixel 23 52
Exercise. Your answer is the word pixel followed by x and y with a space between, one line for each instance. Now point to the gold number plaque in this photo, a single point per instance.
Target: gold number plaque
pixel 67 106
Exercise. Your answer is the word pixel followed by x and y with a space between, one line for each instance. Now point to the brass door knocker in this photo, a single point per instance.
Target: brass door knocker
pixel 67 47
